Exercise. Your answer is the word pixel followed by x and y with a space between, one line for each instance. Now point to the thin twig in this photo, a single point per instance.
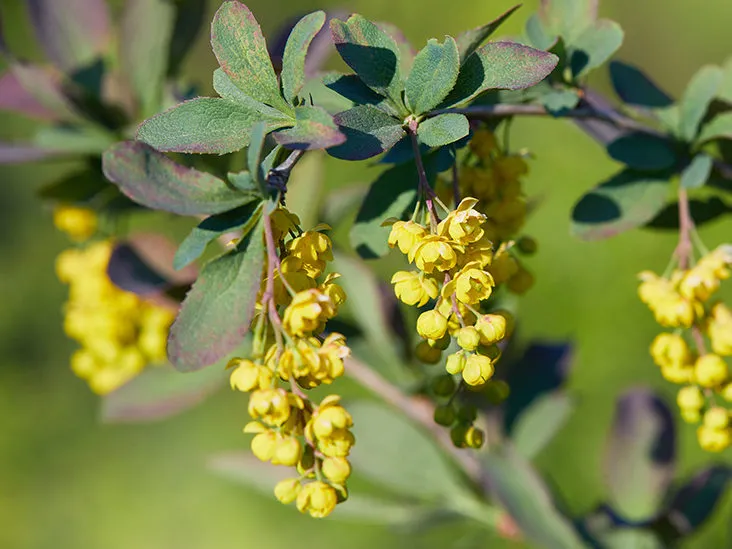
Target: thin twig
pixel 417 409
pixel 424 184
pixel 686 224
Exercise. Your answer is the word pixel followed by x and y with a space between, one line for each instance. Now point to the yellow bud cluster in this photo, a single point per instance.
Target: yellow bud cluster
pixel 456 269
pixel 681 301
pixel 290 355
pixel 78 223
pixel 119 333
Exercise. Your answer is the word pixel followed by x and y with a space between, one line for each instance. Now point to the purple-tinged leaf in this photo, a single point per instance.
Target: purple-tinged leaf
pixel 204 125
pixel 14 97
pixel 159 393
pixel 314 129
pixel 371 53
pixel 625 201
pixel 45 87
pixel 72 32
pixel 241 50
pixel 519 490
pixel 223 85
pixel 369 131
pixel 469 41
pixel 640 460
pixel 18 153
pixel 296 51
pixel 143 264
pixel 635 88
pixel 215 315
pixel 150 178
pixel 500 65
pixel 147 28
pixel 696 99
pixel 696 500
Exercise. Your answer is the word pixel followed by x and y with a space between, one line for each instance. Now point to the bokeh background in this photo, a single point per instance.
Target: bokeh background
pixel 67 481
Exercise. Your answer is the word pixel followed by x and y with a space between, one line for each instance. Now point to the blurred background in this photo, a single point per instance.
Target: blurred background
pixel 68 481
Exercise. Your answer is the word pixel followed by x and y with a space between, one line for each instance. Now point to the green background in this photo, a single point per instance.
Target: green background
pixel 68 481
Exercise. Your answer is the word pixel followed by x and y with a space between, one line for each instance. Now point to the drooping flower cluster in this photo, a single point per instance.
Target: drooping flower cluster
pixel 494 177
pixel 119 333
pixel 291 354
pixel 456 270
pixel 681 301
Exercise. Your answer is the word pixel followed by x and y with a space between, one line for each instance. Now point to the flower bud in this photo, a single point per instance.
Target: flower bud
pixel 444 415
pixel 716 418
pixel 455 363
pixel 710 370
pixel 286 490
pixel 431 325
pixel 468 338
pixel 478 369
pixel 336 469
pixel 443 386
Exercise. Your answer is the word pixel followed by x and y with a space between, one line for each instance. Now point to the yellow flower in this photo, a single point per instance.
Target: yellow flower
pixel 414 288
pixel 317 498
pixel 314 249
pixel 716 418
pixel 264 444
pixel 726 392
pixel 473 285
pixel 483 143
pixel 478 369
pixel 670 350
pixel 433 252
pixel 272 405
pixel 287 452
pixel 307 312
pixel 713 440
pixel 329 427
pixel 78 223
pixel 474 437
pixel 710 370
pixel 480 253
pixel 334 291
pixel 406 235
pixel 283 221
pixel 492 328
pixel 468 338
pixel 511 167
pixel 431 325
pixel 248 375
pixel 678 373
pixel 521 281
pixel 690 398
pixel 719 329
pixel 463 225
pixel 336 469
pixel 504 265
pixel 287 490
pixel 332 353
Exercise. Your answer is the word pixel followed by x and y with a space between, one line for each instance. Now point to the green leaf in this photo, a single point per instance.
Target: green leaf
pixel 74 139
pixel 500 65
pixel 72 33
pixel 443 129
pixel 433 75
pixel 469 41
pixel 643 151
pixel 540 422
pixel 368 132
pixel 521 492
pixel 211 228
pixel 696 98
pixel 397 454
pixel 223 85
pixel 567 18
pixel 296 49
pixel 626 201
pixel 697 172
pixel 352 88
pixel 153 180
pixel 537 36
pixel 595 46
pixel 147 28
pixel 640 458
pixel 635 88
pixel 406 51
pixel 214 317
pixel 697 498
pixel 559 101
pixel 159 393
pixel 631 538
pixel 725 88
pixel 314 129
pixel 204 125
pixel 720 127
pixel 702 212
pixel 254 158
pixel 371 53
pixel 241 50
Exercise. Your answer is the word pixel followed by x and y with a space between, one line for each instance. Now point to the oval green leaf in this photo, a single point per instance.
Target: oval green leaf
pixel 368 130
pixel 443 129
pixel 296 49
pixel 595 46
pixel 314 129
pixel 695 175
pixel 539 423
pixel 433 75
pixel 696 99
pixel 643 151
pixel 720 127
pixel 152 179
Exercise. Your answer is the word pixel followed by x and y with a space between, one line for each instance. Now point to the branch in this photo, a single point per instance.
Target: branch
pixel 417 409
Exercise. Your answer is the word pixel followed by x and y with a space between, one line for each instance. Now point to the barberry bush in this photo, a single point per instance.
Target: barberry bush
pixel 412 288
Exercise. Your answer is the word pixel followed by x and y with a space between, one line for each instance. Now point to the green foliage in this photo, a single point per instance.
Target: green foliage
pixel 369 131
pixel 720 127
pixel 697 172
pixel 643 151
pixel 540 422
pixel 635 88
pixel 155 181
pixel 696 99
pixel 433 75
pixel 443 129
pixel 215 315
pixel 314 129
pixel 293 61
pixel 626 201
pixel 469 41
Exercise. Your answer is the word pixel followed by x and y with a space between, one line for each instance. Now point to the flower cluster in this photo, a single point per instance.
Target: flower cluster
pixel 681 301
pixel 291 354
pixel 119 333
pixel 456 271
